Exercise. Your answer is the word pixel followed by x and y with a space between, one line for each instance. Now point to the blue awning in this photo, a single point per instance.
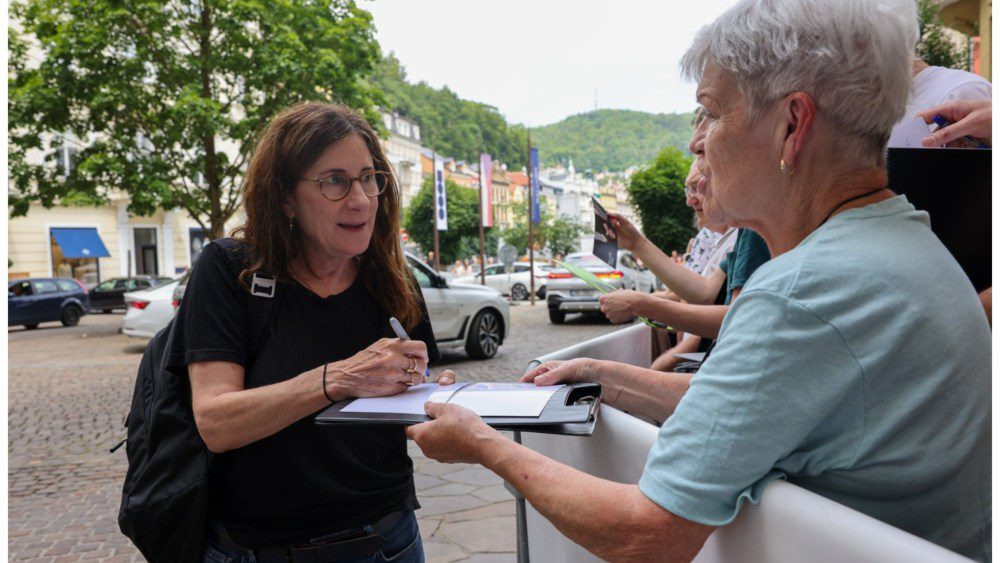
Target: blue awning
pixel 80 243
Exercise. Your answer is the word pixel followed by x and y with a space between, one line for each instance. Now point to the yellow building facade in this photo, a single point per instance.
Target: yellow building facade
pixel 163 244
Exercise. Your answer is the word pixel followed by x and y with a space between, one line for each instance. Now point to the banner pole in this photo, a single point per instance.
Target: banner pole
pixel 437 251
pixel 482 244
pixel 531 221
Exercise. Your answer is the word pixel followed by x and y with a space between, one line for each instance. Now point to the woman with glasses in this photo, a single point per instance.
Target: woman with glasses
pixel 321 238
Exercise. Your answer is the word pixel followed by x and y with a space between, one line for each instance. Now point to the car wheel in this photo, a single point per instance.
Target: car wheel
pixel 518 292
pixel 31 326
pixel 484 335
pixel 556 316
pixel 71 315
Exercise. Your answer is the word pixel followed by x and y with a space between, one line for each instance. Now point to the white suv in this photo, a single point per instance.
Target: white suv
pixel 463 315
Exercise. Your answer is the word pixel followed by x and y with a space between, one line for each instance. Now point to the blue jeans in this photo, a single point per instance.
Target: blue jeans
pixel 402 545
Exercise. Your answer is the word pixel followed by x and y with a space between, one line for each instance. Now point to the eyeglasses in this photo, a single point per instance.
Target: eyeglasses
pixel 337 186
pixel 688 192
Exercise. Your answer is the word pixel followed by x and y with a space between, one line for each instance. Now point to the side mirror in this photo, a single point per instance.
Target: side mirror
pixel 440 282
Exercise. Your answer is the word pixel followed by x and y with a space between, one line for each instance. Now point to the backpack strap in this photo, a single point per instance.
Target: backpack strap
pixel 263 299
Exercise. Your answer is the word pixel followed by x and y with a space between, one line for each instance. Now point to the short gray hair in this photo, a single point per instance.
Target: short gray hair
pixel 852 56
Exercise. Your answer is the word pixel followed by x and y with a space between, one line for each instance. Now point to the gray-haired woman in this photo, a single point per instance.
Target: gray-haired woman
pixel 843 395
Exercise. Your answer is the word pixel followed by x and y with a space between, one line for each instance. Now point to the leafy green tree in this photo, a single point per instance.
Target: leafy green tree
pixel 449 124
pixel 517 234
pixel 935 48
pixel 564 236
pixel 657 193
pixel 558 235
pixel 463 221
pixel 169 95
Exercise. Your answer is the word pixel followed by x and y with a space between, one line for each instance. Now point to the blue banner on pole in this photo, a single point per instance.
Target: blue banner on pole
pixel 536 212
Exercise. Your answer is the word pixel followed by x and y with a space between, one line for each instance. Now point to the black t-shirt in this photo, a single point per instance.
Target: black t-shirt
pixel 306 480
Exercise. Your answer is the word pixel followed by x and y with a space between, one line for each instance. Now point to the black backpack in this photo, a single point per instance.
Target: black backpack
pixel 165 495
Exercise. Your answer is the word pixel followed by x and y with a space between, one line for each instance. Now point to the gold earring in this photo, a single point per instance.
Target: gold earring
pixel 785 169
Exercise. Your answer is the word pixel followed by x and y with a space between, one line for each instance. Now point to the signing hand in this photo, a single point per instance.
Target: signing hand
pixel 456 435
pixel 967 117
pixel 386 367
pixel 629 237
pixel 559 371
pixel 622 305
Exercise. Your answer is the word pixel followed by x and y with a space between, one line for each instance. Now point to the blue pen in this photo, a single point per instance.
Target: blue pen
pixel 971 141
pixel 401 334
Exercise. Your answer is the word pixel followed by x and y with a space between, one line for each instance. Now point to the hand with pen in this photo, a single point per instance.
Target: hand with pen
pixel 962 123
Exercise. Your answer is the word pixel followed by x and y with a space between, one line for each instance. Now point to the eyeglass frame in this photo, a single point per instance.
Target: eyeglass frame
pixel 351 181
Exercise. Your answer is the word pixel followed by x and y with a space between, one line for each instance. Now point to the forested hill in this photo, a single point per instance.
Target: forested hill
pixel 448 124
pixel 611 139
pixel 601 139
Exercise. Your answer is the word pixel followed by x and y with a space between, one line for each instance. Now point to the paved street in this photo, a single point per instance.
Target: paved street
pixel 69 391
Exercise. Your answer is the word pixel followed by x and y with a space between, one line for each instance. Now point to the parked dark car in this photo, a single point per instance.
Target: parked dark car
pixel 39 300
pixel 107 295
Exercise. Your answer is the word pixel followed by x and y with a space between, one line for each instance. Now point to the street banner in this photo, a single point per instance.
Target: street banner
pixel 486 188
pixel 536 212
pixel 440 196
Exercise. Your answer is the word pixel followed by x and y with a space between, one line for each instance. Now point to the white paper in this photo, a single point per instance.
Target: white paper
pixel 410 401
pixel 505 399
pixel 909 134
pixel 692 356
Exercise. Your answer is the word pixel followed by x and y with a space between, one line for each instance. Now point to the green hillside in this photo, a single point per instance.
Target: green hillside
pixel 601 139
pixel 611 138
pixel 448 124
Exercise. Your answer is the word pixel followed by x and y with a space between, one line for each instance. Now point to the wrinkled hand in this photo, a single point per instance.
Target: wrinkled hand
pixel 456 435
pixel 386 367
pixel 562 371
pixel 967 117
pixel 629 237
pixel 622 305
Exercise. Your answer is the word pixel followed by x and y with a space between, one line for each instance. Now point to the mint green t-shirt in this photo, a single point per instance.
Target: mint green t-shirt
pixel 857 366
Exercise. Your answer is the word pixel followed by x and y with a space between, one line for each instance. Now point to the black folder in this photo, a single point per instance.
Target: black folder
pixel 571 410
pixel 954 186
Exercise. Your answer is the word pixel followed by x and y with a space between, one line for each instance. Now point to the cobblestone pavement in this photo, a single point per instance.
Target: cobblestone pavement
pixel 69 390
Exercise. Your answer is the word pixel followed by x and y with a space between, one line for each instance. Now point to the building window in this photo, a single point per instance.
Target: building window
pixel 66 158
pixel 416 132
pixel 197 239
pixel 145 251
pixel 404 128
pixel 387 119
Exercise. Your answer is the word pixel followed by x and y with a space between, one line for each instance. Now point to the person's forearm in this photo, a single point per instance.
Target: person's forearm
pixel 234 419
pixel 688 285
pixel 703 320
pixel 986 298
pixel 611 520
pixel 640 390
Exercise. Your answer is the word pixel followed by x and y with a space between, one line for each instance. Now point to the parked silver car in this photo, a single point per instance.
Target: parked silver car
pixel 569 294
pixel 468 316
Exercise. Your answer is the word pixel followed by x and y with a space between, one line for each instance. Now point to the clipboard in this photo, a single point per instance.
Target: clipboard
pixel 571 410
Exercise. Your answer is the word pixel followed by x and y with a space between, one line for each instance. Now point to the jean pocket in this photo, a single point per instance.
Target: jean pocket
pixel 212 555
pixel 412 553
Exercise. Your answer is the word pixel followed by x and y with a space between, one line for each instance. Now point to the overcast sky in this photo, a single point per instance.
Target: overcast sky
pixel 538 61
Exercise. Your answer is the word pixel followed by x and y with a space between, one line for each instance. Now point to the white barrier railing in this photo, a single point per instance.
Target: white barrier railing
pixel 790 524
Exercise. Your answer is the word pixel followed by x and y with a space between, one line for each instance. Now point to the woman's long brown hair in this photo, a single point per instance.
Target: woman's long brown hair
pixel 288 146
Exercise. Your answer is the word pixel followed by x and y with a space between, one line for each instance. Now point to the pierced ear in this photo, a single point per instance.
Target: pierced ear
pixel 799 112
